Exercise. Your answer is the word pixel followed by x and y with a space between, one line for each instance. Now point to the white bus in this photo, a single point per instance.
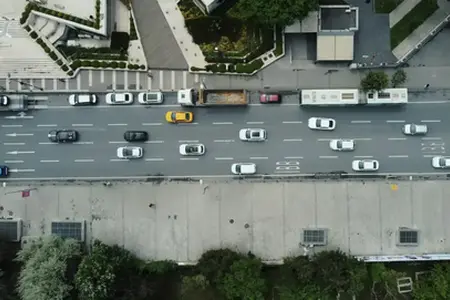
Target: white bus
pixel 388 96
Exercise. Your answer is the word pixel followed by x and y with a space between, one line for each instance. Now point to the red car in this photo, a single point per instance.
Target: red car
pixel 270 98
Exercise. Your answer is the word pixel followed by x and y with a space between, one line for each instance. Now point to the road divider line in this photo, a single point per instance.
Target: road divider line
pixel 430 121
pixel 189 158
pixel 154 159
pixel 154 142
pixel 429 156
pixel 12 126
pixel 363 156
pixel 49 161
pixel 355 139
pixel 21 170
pixel 19 117
pixel 83 143
pixel 293 157
pixel 118 142
pixel 20 152
pixel 118 159
pixel 223 141
pixel 47 143
pixel 259 157
pixel 84 160
pixel 13 144
pixel 151 124
pixel 328 157
pixel 292 140
pixel 398 156
pixel 19 134
pixel 361 139
pixel 395 121
pixel 82 125
pixel 397 139
pixel 188 141
pixel 431 138
pixel 255 123
pixel 223 158
pixel 292 122
pixel 118 124
pixel 47 125
pixel 14 161
pixel 324 140
pixel 222 123
pixel 361 122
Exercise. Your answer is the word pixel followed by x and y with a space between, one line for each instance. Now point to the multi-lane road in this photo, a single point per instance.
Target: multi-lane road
pixel 291 147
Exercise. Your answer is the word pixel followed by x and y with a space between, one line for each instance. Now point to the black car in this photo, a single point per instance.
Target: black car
pixel 63 136
pixel 135 136
pixel 4 171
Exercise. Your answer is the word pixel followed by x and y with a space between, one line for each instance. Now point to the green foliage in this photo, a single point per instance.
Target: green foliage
pixel 158 267
pixel 384 281
pixel 192 286
pixel 244 281
pixel 375 81
pixel 435 285
pixel 189 10
pixel 33 35
pixel 45 266
pixel 398 78
pixel 214 264
pixel 386 6
pixel 269 12
pixel 97 273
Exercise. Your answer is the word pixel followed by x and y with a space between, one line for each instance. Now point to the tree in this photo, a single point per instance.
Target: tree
pixel 375 81
pixel 196 287
pixel 45 266
pixel 244 281
pixel 384 282
pixel 214 264
pixel 269 12
pixel 435 285
pixel 398 78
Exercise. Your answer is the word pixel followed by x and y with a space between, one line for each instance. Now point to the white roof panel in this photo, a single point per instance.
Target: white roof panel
pixel 330 97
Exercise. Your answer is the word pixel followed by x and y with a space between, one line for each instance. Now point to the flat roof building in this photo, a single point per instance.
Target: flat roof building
pixel 334 47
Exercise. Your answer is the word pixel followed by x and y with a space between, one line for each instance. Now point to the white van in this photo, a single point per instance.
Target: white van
pixel 83 99
pixel 151 98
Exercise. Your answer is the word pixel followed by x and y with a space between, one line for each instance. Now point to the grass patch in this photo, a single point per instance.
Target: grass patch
pixel 386 6
pixel 422 11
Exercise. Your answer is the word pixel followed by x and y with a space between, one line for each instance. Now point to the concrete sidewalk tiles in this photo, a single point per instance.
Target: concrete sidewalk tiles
pixel 268 219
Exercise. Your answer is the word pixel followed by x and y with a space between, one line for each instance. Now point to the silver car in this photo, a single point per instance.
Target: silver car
pixel 440 162
pixel 253 135
pixel 365 165
pixel 415 129
pixel 130 152
pixel 192 149
pixel 342 145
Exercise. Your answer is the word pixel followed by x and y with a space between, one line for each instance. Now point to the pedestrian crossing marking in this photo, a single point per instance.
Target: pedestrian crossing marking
pixel 78 82
pixel 173 80
pixel 184 79
pixel 161 81
pixel 114 79
pixel 43 83
pixel 102 76
pixel 55 84
pixel 138 78
pixel 90 77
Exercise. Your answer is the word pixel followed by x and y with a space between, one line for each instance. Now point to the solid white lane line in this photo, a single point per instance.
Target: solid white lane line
pixel 430 121
pixel 363 156
pixel 117 124
pixel 398 156
pixel 395 121
pixel 49 161
pixel 47 143
pixel 118 159
pixel 47 125
pixel 118 142
pixel 223 158
pixel 222 123
pixel 14 161
pixel 83 143
pixel 84 160
pixel 362 139
pixel 324 140
pixel 429 102
pixel 255 123
pixel 154 142
pixel 21 170
pixel 13 144
pixel 431 138
pixel 292 140
pixel 188 141
pixel 189 158
pixel 20 152
pixel 292 122
pixel 355 139
pixel 326 157
pixel 397 139
pixel 151 124
pixel 259 157
pixel 19 134
pixel 82 125
pixel 11 126
pixel 361 122
pixel 154 159
pixel 223 141
pixel 293 157
pixel 430 156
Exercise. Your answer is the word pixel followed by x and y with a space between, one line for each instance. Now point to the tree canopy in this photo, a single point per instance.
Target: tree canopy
pixel 375 81
pixel 282 13
pixel 434 285
pixel 398 78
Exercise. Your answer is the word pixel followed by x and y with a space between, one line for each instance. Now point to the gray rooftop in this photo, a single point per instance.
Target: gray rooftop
pixel 337 18
pixel 362 218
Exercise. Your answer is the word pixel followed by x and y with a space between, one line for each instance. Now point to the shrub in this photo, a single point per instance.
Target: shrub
pixel 113 64
pixel 104 64
pixel 65 68
pixel 95 64
pixel 53 55
pixel 222 68
pixel 70 73
pixel 231 68
pixel 33 35
pixel 76 64
pixel 59 62
pixel 142 67
pixel 122 64
pixel 195 69
pixel 46 49
pixel 39 41
pixel 28 28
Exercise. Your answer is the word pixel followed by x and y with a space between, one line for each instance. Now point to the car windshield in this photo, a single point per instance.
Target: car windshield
pixel 174 116
pixel 339 144
pixel 374 165
pixel 255 134
pixel 413 128
pixel 442 162
pixel 126 97
pixel 361 165
pixel 238 169
pixel 191 149
pixel 64 135
pixel 318 123
pixel 186 116
pixel 330 123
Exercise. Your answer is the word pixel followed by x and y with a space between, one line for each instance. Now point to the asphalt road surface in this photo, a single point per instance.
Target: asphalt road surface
pixel 292 148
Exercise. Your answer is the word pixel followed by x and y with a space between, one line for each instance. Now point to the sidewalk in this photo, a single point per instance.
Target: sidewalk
pixel 400 11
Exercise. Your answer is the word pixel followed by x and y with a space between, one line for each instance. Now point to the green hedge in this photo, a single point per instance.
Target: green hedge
pixel 33 35
pixel 239 68
pixel 105 64
pixel 279 42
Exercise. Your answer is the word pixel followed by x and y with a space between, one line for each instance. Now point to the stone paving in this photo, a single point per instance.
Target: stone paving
pixel 361 217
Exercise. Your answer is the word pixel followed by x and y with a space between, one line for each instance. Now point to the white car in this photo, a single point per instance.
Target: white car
pixel 84 99
pixel 316 123
pixel 415 129
pixel 243 169
pixel 253 135
pixel 151 98
pixel 365 165
pixel 342 145
pixel 440 162
pixel 130 152
pixel 192 149
pixel 119 98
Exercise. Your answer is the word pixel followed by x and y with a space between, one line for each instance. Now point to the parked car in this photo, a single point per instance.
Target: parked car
pixel 130 152
pixel 82 99
pixel 179 117
pixel 192 149
pixel 135 136
pixel 317 123
pixel 440 162
pixel 151 98
pixel 63 136
pixel 365 165
pixel 342 145
pixel 4 100
pixel 119 98
pixel 415 129
pixel 253 134
pixel 243 168
pixel 4 171
pixel 270 98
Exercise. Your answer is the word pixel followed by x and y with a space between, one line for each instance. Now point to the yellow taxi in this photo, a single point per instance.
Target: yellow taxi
pixel 179 117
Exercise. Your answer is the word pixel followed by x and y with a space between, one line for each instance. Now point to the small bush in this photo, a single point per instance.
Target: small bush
pixel 33 35
pixel 28 28
pixel 222 68
pixel 104 64
pixel 95 64
pixel 142 67
pixel 231 68
pixel 76 64
pixel 53 56
pixel 122 64
pixel 195 69
pixel 59 62
pixel 65 68
pixel 70 73
pixel 46 49
pixel 113 64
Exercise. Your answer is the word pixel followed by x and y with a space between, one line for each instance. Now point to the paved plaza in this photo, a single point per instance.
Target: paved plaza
pixel 361 218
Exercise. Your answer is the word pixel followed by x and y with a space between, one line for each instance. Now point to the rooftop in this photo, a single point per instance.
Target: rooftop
pixel 338 18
